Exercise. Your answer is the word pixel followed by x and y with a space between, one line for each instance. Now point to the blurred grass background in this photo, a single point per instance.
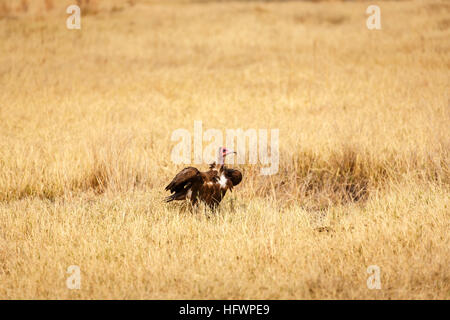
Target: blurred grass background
pixel 85 147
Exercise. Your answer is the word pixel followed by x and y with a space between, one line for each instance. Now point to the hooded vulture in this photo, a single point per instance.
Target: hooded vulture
pixel 209 186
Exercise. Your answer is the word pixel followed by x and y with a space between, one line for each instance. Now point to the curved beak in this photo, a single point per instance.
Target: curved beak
pixel 229 152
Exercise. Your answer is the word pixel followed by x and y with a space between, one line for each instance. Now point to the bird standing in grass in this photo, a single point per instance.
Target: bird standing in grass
pixel 209 186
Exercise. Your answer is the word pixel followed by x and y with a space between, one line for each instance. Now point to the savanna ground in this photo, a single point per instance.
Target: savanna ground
pixel 85 142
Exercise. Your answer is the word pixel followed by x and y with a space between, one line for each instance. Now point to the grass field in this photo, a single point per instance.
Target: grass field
pixel 85 143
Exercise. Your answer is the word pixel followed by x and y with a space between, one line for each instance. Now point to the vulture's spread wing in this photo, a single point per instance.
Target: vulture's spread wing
pixel 184 177
pixel 234 175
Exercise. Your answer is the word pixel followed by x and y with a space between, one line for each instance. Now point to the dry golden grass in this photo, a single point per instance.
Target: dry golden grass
pixel 87 117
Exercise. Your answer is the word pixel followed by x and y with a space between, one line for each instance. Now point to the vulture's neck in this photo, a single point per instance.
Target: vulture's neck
pixel 221 159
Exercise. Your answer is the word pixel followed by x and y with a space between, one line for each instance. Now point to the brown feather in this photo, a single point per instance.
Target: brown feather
pixel 194 185
pixel 234 175
pixel 182 178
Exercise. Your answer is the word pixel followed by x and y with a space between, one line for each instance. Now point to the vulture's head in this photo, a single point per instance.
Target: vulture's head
pixel 224 151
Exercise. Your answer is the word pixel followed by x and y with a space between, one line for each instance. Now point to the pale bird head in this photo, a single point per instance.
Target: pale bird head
pixel 223 152
pixel 226 151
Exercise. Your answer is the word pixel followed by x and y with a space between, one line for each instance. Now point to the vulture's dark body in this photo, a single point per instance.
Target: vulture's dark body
pixel 209 187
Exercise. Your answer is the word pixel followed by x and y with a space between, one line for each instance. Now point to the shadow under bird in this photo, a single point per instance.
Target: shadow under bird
pixel 209 186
